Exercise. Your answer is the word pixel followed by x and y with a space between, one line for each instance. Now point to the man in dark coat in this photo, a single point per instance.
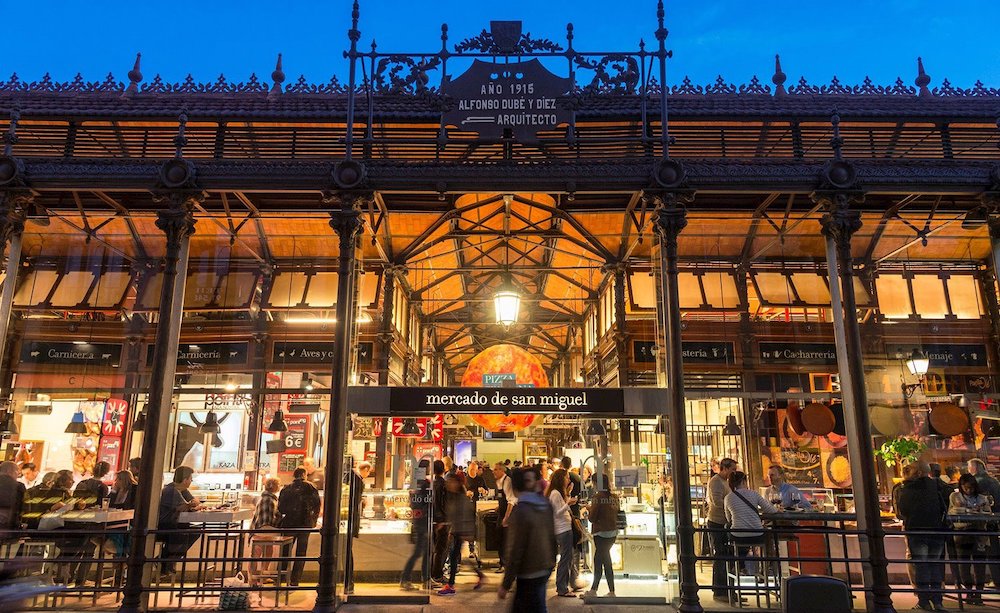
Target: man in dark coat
pixel 11 498
pixel 922 508
pixel 298 504
pixel 356 481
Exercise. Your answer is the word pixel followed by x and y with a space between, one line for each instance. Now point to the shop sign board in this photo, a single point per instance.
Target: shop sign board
pixel 823 354
pixel 115 417
pixel 208 354
pixel 942 356
pixel 510 400
pixel 109 450
pixel 523 97
pixel 305 352
pixel 708 352
pixel 295 436
pixel 91 354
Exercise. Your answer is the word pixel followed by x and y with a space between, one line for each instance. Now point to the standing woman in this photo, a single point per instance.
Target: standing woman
pixel 968 499
pixel 603 514
pixel 558 495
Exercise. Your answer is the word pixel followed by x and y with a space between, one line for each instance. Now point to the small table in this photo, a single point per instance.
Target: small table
pixel 210 519
pixel 104 519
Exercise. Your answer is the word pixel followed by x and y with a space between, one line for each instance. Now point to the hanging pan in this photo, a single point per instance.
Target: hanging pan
pixel 891 421
pixel 818 419
pixel 948 419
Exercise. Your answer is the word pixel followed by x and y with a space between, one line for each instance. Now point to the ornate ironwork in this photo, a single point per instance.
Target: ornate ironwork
pixel 485 42
pixel 622 78
pixel 403 74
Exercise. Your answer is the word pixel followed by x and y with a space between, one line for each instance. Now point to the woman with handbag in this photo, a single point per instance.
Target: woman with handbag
pixel 968 499
pixel 603 513
pixel 743 507
pixel 558 495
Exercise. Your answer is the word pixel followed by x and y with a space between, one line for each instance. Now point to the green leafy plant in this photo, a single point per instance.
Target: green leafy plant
pixel 901 450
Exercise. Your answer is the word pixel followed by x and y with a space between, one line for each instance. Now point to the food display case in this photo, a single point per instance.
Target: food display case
pixel 383 542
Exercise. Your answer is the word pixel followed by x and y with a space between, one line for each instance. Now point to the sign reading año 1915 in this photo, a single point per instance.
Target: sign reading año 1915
pixel 523 97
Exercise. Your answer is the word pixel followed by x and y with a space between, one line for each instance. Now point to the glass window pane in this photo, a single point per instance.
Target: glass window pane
pixel 774 288
pixel 643 289
pixel 811 288
pixel 690 290
pixel 720 289
pixel 287 289
pixel 893 296
pixel 199 290
pixel 35 288
pixel 964 294
pixel 323 290
pixel 110 289
pixel 72 289
pixel 928 296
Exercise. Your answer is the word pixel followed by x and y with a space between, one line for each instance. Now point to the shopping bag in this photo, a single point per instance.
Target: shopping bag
pixel 233 598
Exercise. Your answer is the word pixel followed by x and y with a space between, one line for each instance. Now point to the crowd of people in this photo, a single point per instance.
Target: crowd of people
pixel 538 521
pixel 931 503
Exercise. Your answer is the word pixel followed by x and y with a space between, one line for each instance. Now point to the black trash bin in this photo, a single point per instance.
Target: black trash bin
pixel 815 594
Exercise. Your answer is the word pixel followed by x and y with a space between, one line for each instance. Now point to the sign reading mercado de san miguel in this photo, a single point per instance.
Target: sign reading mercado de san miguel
pixel 523 97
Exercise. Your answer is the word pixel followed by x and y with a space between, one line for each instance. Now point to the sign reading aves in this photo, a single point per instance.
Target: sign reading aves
pixel 523 97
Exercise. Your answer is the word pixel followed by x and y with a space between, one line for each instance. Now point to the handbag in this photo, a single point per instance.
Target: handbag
pixel 578 532
pixel 235 595
pixel 621 520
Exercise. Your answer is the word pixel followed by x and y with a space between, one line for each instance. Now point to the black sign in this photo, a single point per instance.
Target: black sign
pixel 365 351
pixel 709 352
pixel 824 354
pixel 942 356
pixel 293 352
pixel 95 354
pixel 642 352
pixel 522 97
pixel 208 354
pixel 500 399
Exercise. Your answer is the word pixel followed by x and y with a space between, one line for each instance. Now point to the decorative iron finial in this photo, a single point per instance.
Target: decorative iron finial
pixel 134 78
pixel 278 76
pixel 661 32
pixel 444 37
pixel 922 79
pixel 10 136
pixel 837 142
pixel 354 34
pixel 779 77
pixel 180 140
pixel 569 36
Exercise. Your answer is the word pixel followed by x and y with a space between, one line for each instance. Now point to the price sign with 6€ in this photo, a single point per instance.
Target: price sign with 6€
pixel 295 436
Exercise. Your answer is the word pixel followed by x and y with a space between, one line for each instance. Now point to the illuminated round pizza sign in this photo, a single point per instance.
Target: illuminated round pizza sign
pixel 504 366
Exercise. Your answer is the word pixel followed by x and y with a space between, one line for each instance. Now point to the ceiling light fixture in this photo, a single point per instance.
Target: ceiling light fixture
pixel 211 425
pixel 278 422
pixel 77 425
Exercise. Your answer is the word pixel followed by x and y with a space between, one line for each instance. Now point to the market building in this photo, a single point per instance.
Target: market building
pixel 502 248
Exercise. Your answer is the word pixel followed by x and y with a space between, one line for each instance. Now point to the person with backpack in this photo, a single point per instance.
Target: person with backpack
pixel 298 504
pixel 922 508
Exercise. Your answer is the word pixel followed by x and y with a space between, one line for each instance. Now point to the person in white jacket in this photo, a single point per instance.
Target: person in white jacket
pixel 558 495
pixel 743 508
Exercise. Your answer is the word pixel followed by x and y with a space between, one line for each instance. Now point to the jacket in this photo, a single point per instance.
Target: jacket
pixel 920 504
pixel 989 487
pixel 11 503
pixel 298 504
pixel 604 512
pixel 461 512
pixel 531 539
pixel 440 496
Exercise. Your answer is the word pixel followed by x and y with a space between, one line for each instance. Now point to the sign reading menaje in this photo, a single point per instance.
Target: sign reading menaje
pixel 522 97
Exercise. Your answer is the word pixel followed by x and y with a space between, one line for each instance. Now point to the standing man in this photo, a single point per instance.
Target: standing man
pixel 531 546
pixel 298 504
pixel 989 487
pixel 922 509
pixel 575 490
pixel 782 493
pixel 357 485
pixel 718 489
pixel 29 475
pixel 314 475
pixel 441 528
pixel 505 503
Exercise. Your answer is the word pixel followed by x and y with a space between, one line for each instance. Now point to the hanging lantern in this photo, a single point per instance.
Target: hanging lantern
pixel 277 422
pixel 596 428
pixel 410 427
pixel 77 425
pixel 732 428
pixel 211 425
pixel 507 304
pixel 918 363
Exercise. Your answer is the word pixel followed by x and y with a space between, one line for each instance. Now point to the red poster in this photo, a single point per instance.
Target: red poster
pixel 427 449
pixel 109 451
pixel 434 424
pixel 115 417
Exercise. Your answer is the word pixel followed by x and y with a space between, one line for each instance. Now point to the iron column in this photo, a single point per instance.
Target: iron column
pixel 839 224
pixel 177 222
pixel 346 222
pixel 671 219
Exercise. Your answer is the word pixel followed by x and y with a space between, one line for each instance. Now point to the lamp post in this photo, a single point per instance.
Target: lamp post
pixel 917 363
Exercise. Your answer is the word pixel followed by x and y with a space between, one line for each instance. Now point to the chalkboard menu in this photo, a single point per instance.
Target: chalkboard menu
pixel 288 462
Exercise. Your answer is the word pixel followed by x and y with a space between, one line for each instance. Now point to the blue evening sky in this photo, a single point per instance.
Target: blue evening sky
pixel 734 38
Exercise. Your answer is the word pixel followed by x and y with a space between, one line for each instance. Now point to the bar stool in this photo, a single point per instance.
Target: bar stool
pixel 750 582
pixel 267 545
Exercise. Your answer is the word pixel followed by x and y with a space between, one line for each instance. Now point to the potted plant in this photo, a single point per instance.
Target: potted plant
pixel 901 450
